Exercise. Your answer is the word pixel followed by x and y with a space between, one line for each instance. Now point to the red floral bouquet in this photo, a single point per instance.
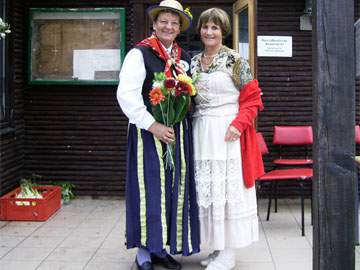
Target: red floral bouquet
pixel 170 99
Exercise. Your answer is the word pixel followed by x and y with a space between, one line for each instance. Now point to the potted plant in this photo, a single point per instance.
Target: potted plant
pixel 66 191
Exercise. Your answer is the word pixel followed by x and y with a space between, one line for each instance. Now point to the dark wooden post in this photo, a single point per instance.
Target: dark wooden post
pixel 357 47
pixel 357 68
pixel 334 147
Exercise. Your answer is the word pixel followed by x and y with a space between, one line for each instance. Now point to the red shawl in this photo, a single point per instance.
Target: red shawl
pixel 249 104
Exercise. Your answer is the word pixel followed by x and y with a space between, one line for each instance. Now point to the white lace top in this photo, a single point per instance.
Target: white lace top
pixel 218 171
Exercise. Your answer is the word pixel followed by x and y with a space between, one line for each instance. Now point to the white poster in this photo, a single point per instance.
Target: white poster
pixel 87 62
pixel 274 46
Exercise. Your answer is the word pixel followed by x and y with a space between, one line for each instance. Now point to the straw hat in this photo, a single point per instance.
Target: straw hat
pixel 172 5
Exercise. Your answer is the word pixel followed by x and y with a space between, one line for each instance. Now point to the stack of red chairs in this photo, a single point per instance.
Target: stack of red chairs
pixel 300 171
pixel 292 136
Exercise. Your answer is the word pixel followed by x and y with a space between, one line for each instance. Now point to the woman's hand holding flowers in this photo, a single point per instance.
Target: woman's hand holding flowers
pixel 162 132
pixel 232 134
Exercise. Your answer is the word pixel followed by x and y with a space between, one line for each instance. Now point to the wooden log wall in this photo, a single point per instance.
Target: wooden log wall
pixel 286 82
pixel 77 133
pixel 12 137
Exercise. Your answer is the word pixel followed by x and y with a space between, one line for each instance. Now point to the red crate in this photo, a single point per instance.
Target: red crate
pixel 12 208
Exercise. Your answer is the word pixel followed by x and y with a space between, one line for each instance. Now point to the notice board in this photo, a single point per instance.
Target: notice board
pixel 76 46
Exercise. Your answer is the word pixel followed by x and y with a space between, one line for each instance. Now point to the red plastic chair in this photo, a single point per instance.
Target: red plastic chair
pixel 357 134
pixel 298 175
pixel 293 136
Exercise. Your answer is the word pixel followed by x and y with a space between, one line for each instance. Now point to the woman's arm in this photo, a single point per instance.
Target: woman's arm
pixel 249 99
pixel 129 95
pixel 132 76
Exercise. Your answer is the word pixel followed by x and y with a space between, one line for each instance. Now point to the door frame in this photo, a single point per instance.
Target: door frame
pixel 239 6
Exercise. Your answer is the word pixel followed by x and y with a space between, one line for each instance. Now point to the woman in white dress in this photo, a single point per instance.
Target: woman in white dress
pixel 227 201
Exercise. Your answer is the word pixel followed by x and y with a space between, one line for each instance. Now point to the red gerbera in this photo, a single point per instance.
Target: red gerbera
pixel 182 87
pixel 170 83
pixel 156 96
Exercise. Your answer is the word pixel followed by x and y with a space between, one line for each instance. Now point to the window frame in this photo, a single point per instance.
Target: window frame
pixel 238 7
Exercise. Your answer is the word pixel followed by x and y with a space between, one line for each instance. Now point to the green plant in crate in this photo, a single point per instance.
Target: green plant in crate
pixel 27 191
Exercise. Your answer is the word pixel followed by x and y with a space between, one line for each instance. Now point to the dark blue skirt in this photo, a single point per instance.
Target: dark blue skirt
pixel 161 207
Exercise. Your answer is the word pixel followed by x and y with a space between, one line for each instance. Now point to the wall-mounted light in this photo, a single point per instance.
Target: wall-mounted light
pixel 305 19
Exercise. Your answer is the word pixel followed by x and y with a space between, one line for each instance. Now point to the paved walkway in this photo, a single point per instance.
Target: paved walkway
pixel 89 234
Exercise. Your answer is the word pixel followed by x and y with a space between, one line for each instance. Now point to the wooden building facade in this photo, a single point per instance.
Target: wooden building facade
pixel 77 133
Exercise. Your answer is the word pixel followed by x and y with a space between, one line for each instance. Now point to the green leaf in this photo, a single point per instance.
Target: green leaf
pixel 157 114
pixel 195 77
pixel 171 115
pixel 181 107
pixel 159 76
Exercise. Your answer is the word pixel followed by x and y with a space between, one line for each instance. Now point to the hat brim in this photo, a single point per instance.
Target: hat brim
pixel 185 19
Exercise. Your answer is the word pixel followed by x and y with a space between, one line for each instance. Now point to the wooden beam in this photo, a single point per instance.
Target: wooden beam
pixel 334 148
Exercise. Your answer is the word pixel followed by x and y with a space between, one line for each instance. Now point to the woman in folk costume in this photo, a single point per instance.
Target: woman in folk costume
pixel 226 154
pixel 161 207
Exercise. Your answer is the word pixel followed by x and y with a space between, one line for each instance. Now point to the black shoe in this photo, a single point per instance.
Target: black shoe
pixel 167 262
pixel 144 266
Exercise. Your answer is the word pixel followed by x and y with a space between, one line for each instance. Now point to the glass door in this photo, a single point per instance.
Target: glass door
pixel 244 31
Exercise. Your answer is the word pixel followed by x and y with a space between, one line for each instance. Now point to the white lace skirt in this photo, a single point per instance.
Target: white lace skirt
pixel 227 209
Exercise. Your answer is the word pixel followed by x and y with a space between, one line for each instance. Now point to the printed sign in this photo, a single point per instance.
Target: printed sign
pixel 87 63
pixel 274 46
